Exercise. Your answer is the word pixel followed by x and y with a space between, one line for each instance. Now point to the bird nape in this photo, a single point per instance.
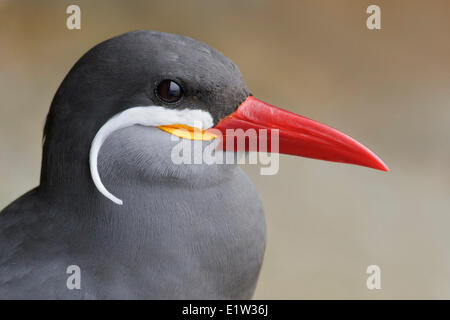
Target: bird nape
pixel 113 203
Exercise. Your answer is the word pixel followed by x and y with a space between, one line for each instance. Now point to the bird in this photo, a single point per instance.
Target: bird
pixel 112 202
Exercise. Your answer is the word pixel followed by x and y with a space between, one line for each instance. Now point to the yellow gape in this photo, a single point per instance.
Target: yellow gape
pixel 187 132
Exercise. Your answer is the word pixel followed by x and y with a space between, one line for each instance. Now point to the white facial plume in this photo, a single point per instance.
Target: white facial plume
pixel 147 116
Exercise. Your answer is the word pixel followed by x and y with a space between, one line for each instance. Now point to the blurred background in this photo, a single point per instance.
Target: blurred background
pixel 327 222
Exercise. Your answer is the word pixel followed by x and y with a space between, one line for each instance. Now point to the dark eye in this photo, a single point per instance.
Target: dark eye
pixel 169 91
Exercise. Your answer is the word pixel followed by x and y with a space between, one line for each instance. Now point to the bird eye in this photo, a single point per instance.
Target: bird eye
pixel 169 91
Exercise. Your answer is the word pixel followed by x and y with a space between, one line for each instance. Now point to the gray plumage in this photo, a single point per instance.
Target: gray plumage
pixel 184 231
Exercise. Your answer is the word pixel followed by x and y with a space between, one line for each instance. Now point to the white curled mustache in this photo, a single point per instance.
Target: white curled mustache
pixel 147 116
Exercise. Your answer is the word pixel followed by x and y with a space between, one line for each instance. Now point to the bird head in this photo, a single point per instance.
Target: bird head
pixel 179 86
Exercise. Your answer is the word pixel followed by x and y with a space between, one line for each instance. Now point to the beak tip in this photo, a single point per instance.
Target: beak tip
pixel 384 167
pixel 379 164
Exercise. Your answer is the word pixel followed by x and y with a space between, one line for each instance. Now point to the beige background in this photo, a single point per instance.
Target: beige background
pixel 327 222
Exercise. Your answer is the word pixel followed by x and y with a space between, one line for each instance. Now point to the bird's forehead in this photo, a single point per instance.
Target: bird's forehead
pixel 164 48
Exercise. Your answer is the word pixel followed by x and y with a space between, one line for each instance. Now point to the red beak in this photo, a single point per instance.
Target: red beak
pixel 298 135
